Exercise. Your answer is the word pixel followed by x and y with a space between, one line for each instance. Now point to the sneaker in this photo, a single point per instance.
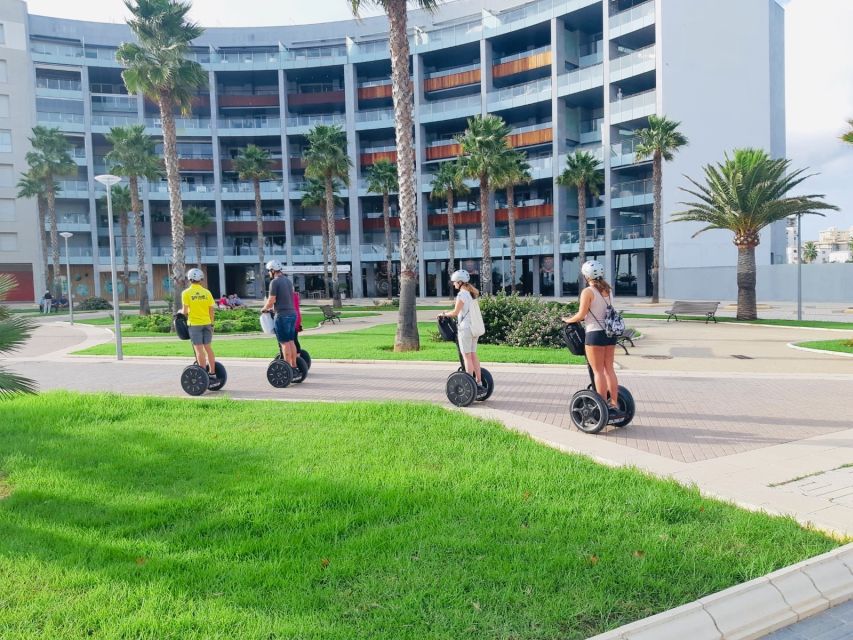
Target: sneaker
pixel 481 389
pixel 615 413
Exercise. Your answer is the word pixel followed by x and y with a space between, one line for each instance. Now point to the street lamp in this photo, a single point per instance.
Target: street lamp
pixel 108 181
pixel 66 235
pixel 799 268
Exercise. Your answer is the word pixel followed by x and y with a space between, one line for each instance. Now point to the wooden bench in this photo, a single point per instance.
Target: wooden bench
pixel 329 314
pixel 626 337
pixel 707 309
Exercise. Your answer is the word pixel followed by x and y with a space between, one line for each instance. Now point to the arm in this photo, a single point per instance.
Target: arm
pixel 212 310
pixel 586 300
pixel 456 309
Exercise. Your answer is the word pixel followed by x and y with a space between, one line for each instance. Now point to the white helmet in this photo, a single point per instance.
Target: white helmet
pixel 274 265
pixel 460 276
pixel 593 269
pixel 195 275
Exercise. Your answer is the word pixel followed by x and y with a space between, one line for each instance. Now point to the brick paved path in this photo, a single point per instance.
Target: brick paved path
pixel 833 624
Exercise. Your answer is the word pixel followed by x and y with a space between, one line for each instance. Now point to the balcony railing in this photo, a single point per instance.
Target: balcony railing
pixel 633 232
pixel 582 79
pixel 249 216
pixel 541 87
pixel 634 106
pixel 58 84
pixel 247 57
pixel 315 53
pixel 180 123
pixel 634 62
pixel 70 218
pixel 381 82
pixel 521 54
pixel 445 106
pixel 573 237
pixel 271 186
pixel 453 34
pixel 376 247
pixel 250 123
pixel 640 12
pixel 374 115
pixel 55 49
pixel 101 120
pixel 317 251
pixel 319 118
pixel 73 186
pixel 449 72
pixel 75 252
pixel 631 189
pixel 56 116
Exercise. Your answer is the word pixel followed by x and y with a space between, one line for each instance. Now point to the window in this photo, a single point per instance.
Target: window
pixel 8 241
pixel 3 75
pixel 5 140
pixel 2 33
pixel 7 210
pixel 4 105
pixel 7 178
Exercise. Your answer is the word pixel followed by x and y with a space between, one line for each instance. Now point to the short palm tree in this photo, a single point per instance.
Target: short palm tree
pixel 327 160
pixel 584 173
pixel 314 196
pixel 809 252
pixel 50 159
pixel 382 179
pixel 407 338
pixel 744 194
pixel 196 220
pixel 515 172
pixel 14 332
pixel 659 141
pixel 448 183
pixel 157 67
pixel 133 157
pixel 484 145
pixel 121 207
pixel 848 137
pixel 31 186
pixel 254 164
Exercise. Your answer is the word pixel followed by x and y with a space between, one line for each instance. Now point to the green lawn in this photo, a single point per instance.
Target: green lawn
pixel 815 324
pixel 375 343
pixel 176 519
pixel 839 346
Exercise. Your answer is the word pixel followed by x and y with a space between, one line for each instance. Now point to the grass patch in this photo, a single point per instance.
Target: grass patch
pixel 374 343
pixel 814 324
pixel 838 346
pixel 389 307
pixel 168 519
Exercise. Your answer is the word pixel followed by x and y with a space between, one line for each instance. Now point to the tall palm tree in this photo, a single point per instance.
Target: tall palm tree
pixel 659 141
pixel 254 164
pixel 407 338
pixel 809 252
pixel 49 159
pixel 196 219
pixel 484 144
pixel 133 157
pixel 315 196
pixel 515 171
pixel 14 332
pixel 121 207
pixel 158 68
pixel 448 183
pixel 327 160
pixel 848 137
pixel 744 194
pixel 382 178
pixel 584 173
pixel 31 186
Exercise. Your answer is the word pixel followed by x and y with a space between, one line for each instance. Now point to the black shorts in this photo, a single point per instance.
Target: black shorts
pixel 599 339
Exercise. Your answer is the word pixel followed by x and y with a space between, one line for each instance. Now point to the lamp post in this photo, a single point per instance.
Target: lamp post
pixel 66 235
pixel 799 268
pixel 108 181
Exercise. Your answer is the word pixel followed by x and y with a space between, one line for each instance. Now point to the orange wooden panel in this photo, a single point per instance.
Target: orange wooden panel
pixel 531 212
pixel 378 224
pixel 194 164
pixel 372 158
pixel 529 138
pixel 323 97
pixel 314 226
pixel 524 64
pixel 268 100
pixel 453 80
pixel 450 150
pixel 373 93
pixel 250 226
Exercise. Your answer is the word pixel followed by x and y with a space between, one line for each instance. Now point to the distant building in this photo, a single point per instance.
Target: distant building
pixel 833 245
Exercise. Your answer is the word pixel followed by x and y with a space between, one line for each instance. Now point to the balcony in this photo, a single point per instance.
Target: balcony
pixel 181 124
pixel 374 89
pixel 316 251
pixel 520 95
pixel 252 123
pixel 378 251
pixel 236 100
pixel 195 163
pixel 525 245
pixel 310 56
pixel 71 222
pixel 76 255
pixel 160 189
pixel 522 62
pixel 632 237
pixel 271 224
pixel 452 78
pixel 631 194
pixel 633 107
pixel 108 121
pixel 637 17
pixel 534 209
pixel 53 51
pixel 455 107
pixel 595 238
pixel 624 153
pixel 60 85
pixel 65 121
pixel 591 53
pixel 450 36
pixel 313 98
pixel 531 135
pixel 308 121
pixel 73 189
pixel 590 130
pixel 374 118
pixel 582 79
pixel 314 225
pixel 631 64
pixel 374 154
pixel 271 186
pixel 378 223
pixel 441 149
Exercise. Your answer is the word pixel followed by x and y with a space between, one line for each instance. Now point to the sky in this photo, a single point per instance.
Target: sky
pixel 819 75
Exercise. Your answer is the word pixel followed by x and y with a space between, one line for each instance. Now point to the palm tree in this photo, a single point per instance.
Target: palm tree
pixel 254 164
pixel 447 183
pixel 484 144
pixel 744 194
pixel 158 68
pixel 382 178
pixel 31 186
pixel 327 160
pixel 196 219
pixel 121 206
pixel 133 157
pixel 584 173
pixel 848 137
pixel 407 338
pixel 49 159
pixel 809 252
pixel 14 332
pixel 315 196
pixel 659 141
pixel 516 171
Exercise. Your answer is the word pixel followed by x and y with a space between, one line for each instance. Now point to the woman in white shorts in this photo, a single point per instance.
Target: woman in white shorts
pixel 465 336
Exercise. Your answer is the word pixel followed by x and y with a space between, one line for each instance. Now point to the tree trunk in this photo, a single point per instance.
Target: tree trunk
pixel 407 338
pixel 259 218
pixel 125 259
pixel 451 234
pixel 581 233
pixel 333 240
pixel 54 234
pixel 510 218
pixel 198 249
pixel 324 229
pixel 746 308
pixel 657 177
pixel 173 176
pixel 141 267
pixel 386 216
pixel 42 208
pixel 486 263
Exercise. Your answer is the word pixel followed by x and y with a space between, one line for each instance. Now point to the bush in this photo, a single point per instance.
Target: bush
pixel 523 321
pixel 539 328
pixel 237 321
pixel 156 323
pixel 95 304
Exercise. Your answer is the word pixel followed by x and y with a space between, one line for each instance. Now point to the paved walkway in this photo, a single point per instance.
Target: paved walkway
pixel 833 624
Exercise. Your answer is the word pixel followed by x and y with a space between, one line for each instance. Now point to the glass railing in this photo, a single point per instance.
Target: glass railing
pixel 271 186
pixel 376 247
pixel 251 250
pixel 375 83
pixel 583 78
pixel 539 87
pixel 589 126
pixel 639 102
pixel 640 59
pixel 55 49
pixel 101 120
pixel 451 34
pixel 101 53
pixel 573 237
pixel 374 115
pixel 59 84
pixel 250 123
pixel 315 53
pixel 309 250
pixel 69 218
pixel 249 216
pixel 104 252
pixel 631 189
pixel 591 53
pixel 632 232
pixel 75 252
pixel 107 88
pixel 186 187
pixel 236 91
pixel 522 54
pixel 202 57
pixel 180 123
pixel 530 127
pixel 114 103
pixel 623 152
pixel 247 57
pixel 319 118
pixel 56 116
pixel 73 186
pixel 442 142
pixel 637 12
pixel 449 72
pixel 444 106
pixel 374 46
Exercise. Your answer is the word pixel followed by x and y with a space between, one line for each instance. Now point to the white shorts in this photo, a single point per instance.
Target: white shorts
pixel 467 342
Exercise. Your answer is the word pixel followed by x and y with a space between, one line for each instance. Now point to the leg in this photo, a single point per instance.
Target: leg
pixel 200 355
pixel 290 353
pixel 596 356
pixel 610 375
pixel 476 361
pixel 211 359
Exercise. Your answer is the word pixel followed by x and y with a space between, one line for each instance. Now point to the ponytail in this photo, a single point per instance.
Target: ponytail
pixel 602 285
pixel 470 288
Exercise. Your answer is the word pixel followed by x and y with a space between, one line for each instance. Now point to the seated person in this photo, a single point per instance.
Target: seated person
pixel 61 302
pixel 234 301
pixel 222 303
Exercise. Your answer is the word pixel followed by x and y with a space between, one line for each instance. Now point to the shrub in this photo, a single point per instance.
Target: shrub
pixel 95 304
pixel 225 326
pixel 503 314
pixel 539 328
pixel 156 322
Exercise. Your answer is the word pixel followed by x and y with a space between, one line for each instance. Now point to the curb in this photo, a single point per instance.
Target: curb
pixel 753 609
pixel 825 352
pixel 749 324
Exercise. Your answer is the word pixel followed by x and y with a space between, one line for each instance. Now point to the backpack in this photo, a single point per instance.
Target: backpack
pixel 181 328
pixel 613 324
pixel 478 327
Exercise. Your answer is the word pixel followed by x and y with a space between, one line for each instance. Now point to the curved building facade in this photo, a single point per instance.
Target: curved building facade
pixel 564 75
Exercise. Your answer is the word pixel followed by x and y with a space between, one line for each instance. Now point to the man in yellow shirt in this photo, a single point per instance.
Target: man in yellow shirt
pixel 199 308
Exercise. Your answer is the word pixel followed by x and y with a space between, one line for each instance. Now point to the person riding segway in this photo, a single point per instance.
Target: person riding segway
pixel 195 323
pixel 288 366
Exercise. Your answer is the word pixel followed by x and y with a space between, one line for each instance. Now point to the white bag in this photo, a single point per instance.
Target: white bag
pixel 267 323
pixel 478 328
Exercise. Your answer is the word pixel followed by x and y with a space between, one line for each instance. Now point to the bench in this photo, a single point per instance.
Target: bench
pixel 329 314
pixel 707 309
pixel 626 337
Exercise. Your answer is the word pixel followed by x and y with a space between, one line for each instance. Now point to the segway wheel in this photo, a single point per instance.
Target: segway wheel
pixel 194 380
pixel 221 377
pixel 489 383
pixel 306 356
pixel 302 370
pixel 588 411
pixel 279 374
pixel 626 404
pixel 461 389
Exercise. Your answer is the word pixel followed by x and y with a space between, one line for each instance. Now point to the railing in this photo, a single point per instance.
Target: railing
pixel 582 78
pixel 104 252
pixel 637 12
pixel 101 53
pixel 591 53
pixel 631 189
pixel 637 102
pixel 633 232
pixel 56 116
pixel 252 249
pixel 449 72
pixel 186 187
pixel 623 151
pixel 114 103
pixel 441 142
pixel 59 84
pixel 247 57
pixel 70 218
pixel 311 120
pixel 443 106
pixel 202 57
pixel 54 49
pixel 180 123
pixel 453 33
pixel 380 248
pixel 250 123
pixel 635 58
pixel 250 216
pixel 387 147
pixel 375 83
pixel 271 186
pixel 108 88
pixel 374 46
pixel 229 91
pixel 374 115
pixel 573 237
pixel 315 53
pixel 317 251
pixel 73 185
pixel 528 89
pixel 100 120
pixel 75 252
pixel 530 127
pixel 521 54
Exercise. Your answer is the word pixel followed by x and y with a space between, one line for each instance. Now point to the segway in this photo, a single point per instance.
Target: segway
pixel 588 410
pixel 461 387
pixel 194 379
pixel 279 372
